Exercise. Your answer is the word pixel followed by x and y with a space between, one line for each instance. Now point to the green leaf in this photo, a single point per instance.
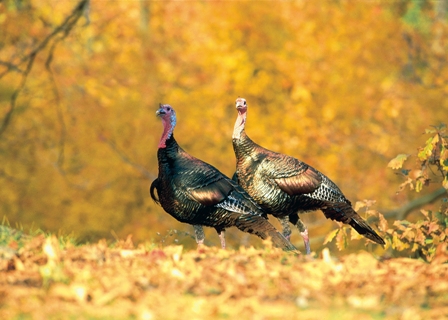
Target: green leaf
pixel 426 152
pixel 398 161
pixel 416 17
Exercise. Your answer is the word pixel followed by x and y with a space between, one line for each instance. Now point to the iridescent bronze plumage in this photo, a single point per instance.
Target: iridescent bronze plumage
pixel 195 192
pixel 284 186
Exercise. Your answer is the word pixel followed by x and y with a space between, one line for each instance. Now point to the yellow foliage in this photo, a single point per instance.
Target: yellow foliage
pixel 333 84
pixel 397 162
pixel 123 281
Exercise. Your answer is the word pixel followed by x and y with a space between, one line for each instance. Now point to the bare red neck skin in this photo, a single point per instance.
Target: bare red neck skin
pixel 168 127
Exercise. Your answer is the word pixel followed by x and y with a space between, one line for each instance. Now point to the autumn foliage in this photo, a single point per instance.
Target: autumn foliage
pixel 44 277
pixel 344 86
pixel 357 89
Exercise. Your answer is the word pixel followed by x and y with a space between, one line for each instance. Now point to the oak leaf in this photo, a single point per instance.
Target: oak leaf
pixel 397 162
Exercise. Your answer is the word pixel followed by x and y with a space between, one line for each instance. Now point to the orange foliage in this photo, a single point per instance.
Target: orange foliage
pixel 121 281
pixel 336 84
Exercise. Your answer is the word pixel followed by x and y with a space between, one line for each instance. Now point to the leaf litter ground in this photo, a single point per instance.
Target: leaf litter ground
pixel 44 279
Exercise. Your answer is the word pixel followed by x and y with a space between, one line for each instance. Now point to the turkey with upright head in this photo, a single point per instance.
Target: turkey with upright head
pixel 284 186
pixel 195 192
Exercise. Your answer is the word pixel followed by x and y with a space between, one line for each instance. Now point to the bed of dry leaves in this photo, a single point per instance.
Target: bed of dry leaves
pixel 44 279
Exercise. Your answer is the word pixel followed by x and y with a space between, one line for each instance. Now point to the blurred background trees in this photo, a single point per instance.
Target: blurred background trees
pixel 344 86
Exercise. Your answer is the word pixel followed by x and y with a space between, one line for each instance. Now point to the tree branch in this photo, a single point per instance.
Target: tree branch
pixel 60 117
pixel 126 159
pixel 402 212
pixel 64 28
pixel 10 66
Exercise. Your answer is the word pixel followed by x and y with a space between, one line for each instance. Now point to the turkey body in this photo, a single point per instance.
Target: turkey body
pixel 196 193
pixel 284 186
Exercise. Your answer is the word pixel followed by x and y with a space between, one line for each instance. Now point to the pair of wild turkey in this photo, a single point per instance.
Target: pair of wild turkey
pixel 265 182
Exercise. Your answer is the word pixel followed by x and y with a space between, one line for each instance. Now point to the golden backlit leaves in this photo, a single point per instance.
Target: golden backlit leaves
pixel 426 237
pixel 122 281
pixel 397 162
pixel 432 162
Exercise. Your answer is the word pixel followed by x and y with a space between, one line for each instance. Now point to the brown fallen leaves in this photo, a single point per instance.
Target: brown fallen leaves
pixel 44 280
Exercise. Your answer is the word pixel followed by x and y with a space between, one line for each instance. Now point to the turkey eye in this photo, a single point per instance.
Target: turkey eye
pixel 244 102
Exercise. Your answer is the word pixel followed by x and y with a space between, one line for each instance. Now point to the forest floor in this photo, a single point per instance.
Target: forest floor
pixel 44 277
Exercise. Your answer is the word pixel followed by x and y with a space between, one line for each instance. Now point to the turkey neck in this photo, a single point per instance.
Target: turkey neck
pixel 240 124
pixel 244 146
pixel 241 142
pixel 169 150
pixel 168 146
pixel 168 128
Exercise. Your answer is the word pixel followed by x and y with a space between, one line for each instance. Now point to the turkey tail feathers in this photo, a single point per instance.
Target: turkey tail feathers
pixel 153 187
pixel 281 242
pixel 235 177
pixel 344 213
pixel 261 227
pixel 364 229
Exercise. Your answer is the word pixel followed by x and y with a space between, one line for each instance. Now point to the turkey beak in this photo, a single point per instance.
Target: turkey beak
pixel 239 106
pixel 160 112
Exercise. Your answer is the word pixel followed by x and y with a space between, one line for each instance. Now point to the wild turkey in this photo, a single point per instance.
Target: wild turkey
pixel 195 192
pixel 284 186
